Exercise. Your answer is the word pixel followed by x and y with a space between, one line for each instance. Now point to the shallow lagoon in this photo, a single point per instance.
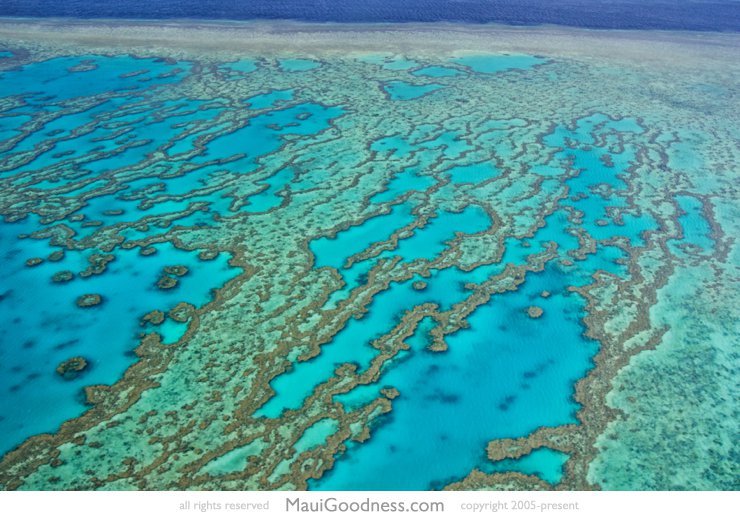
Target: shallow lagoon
pixel 503 377
pixel 42 326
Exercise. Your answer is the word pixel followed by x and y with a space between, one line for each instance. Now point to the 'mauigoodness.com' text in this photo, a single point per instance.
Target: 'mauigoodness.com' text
pixel 332 504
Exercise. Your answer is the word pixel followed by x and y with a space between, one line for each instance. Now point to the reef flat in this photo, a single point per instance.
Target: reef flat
pixel 289 256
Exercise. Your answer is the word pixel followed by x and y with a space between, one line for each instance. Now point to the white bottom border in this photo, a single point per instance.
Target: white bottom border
pixel 369 504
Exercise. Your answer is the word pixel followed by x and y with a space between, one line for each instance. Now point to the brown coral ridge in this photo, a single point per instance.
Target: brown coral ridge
pixel 167 282
pixel 72 368
pixel 89 300
pixel 155 317
pixel 98 264
pixel 182 312
pixel 62 276
pixel 535 311
pixel 176 270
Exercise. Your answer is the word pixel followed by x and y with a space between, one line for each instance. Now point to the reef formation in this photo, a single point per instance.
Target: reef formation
pixel 426 259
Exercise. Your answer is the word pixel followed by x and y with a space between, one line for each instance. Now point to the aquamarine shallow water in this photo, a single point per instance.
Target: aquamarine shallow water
pixel 41 324
pixel 353 343
pixel 473 173
pixel 236 69
pixel 389 62
pixel 405 91
pixel 62 78
pixel 507 373
pixel 403 182
pixel 545 463
pixel 298 65
pixel 271 99
pixel 696 231
pixel 503 377
pixel 489 64
pixel 436 71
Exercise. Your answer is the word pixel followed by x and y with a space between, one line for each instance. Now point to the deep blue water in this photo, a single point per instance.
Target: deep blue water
pixel 702 15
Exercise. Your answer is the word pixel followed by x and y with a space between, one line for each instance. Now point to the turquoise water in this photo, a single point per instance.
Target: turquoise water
pixel 473 173
pixel 171 331
pixel 262 135
pixel 404 91
pixel 335 251
pixel 697 234
pixel 436 71
pixel 390 62
pixel 243 65
pixel 313 437
pixel 42 321
pixel 237 69
pixel 547 464
pixel 81 161
pixel 507 372
pixel 52 81
pixel 234 460
pixel 353 344
pixel 403 182
pixel 269 100
pixel 503 377
pixel 269 197
pixel 452 143
pixel 444 288
pixel 542 378
pixel 298 65
pixel 317 434
pixel 490 64
pixel 429 241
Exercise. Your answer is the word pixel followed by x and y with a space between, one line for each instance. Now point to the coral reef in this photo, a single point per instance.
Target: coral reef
pixel 317 258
